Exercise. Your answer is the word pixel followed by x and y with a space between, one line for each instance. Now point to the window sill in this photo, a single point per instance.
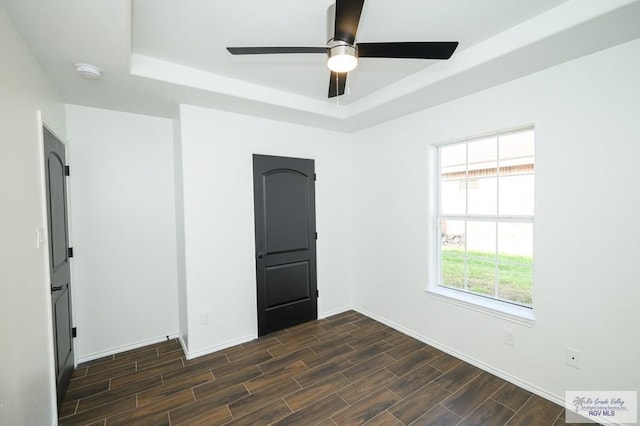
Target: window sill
pixel 513 313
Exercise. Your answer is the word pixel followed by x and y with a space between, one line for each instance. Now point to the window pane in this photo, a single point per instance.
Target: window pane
pixel 483 196
pixel 516 149
pixel 453 198
pixel 515 242
pixel 453 159
pixel 453 235
pixel 453 267
pixel 453 259
pixel 515 283
pixel 481 239
pixel 516 195
pixel 483 157
pixel 481 276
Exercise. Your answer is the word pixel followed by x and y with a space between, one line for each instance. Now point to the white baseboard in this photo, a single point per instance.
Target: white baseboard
pixel 216 348
pixel 124 348
pixel 486 367
pixel 190 355
pixel 334 312
pixel 183 344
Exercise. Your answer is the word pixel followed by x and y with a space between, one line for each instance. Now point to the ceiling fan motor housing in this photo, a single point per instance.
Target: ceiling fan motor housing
pixel 339 47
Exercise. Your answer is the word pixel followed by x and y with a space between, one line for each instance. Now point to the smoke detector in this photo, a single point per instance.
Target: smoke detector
pixel 88 71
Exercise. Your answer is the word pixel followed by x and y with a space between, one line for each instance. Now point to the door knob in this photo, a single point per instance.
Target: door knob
pixel 260 255
pixel 56 288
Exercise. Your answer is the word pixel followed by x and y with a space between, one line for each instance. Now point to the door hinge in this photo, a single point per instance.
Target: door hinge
pixel 317 293
pixel 70 251
pixel 316 235
pixel 74 332
pixel 315 177
pixel 66 170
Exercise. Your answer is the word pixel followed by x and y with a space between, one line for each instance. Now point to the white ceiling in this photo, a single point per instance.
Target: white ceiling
pixel 156 54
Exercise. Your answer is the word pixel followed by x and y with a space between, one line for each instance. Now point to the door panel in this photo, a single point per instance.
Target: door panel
pixel 56 192
pixel 286 209
pixel 284 197
pixel 286 284
pixel 56 210
pixel 61 326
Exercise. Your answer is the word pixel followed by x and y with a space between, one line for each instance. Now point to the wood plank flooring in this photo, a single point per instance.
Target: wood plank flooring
pixel 344 370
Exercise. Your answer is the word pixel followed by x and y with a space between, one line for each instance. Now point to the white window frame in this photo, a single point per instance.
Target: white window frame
pixel 486 304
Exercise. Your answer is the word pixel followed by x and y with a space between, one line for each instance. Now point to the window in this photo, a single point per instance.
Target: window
pixel 485 217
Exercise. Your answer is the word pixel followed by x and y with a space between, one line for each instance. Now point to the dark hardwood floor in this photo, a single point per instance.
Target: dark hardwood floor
pixel 343 370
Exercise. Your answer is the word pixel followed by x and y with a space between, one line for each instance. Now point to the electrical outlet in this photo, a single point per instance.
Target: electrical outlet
pixel 204 318
pixel 509 337
pixel 573 357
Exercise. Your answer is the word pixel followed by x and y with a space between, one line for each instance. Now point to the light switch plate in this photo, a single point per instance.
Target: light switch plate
pixel 39 237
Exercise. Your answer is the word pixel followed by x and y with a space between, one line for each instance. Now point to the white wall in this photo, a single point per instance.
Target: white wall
pixel 587 120
pixel 217 150
pixel 27 388
pixel 123 229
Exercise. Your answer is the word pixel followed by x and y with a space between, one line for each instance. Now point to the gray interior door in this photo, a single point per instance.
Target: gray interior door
pixel 284 202
pixel 56 190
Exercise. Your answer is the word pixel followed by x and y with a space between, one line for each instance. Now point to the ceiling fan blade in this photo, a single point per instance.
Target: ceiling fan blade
pixel 337 83
pixel 347 19
pixel 412 50
pixel 275 50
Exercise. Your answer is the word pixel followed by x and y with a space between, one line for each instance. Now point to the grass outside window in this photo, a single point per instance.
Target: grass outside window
pixel 484 273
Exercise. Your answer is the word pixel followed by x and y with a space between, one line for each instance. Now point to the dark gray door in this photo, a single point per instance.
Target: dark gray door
pixel 284 200
pixel 56 190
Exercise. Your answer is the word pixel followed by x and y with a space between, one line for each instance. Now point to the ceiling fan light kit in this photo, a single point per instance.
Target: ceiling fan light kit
pixel 342 57
pixel 342 51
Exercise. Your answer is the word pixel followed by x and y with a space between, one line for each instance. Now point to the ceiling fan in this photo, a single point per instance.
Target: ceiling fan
pixel 343 51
